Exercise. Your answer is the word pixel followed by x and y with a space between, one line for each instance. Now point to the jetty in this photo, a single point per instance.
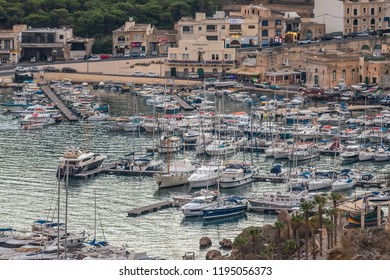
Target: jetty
pixel 183 104
pixel 111 169
pixel 151 208
pixel 59 104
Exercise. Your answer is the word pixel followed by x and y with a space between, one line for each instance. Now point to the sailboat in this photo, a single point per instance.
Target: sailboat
pixel 177 174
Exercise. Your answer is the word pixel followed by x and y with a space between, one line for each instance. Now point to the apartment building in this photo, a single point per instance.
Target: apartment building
pixel 9 44
pixel 350 15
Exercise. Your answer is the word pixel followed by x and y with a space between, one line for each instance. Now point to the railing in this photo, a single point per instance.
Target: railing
pixel 207 62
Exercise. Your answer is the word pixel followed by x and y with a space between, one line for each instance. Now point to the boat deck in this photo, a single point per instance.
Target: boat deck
pixel 59 104
pixel 183 104
pixel 151 208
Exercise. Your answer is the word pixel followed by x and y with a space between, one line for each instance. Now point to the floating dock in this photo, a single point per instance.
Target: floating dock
pixel 59 104
pixel 183 104
pixel 151 208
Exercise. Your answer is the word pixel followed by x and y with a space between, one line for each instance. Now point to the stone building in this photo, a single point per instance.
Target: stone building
pixel 132 37
pixel 311 30
pixel 350 15
pixel 53 44
pixel 374 69
pixel 9 44
pixel 207 58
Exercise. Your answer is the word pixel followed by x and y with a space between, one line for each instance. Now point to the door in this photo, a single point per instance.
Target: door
pixel 201 72
pixel 173 71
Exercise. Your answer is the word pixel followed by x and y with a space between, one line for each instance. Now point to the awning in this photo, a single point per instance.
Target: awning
pixel 232 71
pixel 249 73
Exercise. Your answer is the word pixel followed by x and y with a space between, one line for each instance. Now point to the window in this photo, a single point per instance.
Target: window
pixel 121 39
pixel 372 11
pixel 264 33
pixel 364 10
pixel 278 22
pixel 379 9
pixel 333 75
pixel 186 29
pixel 235 27
pixel 61 37
pixel 223 26
pixel 343 74
pixel 355 22
pixel 373 21
pixel 347 10
pixel 264 23
pixel 278 32
pixel 355 12
pixel 316 70
pixel 251 27
pixel 137 36
pixel 212 38
pixel 348 20
pixel 210 28
pixel 200 28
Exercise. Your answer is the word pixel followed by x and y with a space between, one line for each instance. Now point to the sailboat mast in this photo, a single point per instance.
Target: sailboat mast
pixel 58 211
pixel 66 206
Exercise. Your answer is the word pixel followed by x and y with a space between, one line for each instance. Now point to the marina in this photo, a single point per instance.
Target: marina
pixel 242 141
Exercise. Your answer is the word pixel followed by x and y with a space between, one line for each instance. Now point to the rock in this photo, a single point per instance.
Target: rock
pixel 213 255
pixel 205 242
pixel 226 244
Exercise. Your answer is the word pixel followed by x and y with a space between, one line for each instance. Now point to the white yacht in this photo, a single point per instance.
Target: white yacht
pixel 177 175
pixel 196 206
pixel 169 145
pixel 277 201
pixel 206 175
pixel 343 183
pixel 221 148
pixel 237 174
pixel 75 161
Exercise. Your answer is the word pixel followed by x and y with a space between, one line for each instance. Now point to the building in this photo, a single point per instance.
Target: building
pixel 350 16
pixel 311 30
pixel 9 44
pixel 161 40
pixel 132 37
pixel 207 58
pixel 375 70
pixel 387 15
pixel 53 44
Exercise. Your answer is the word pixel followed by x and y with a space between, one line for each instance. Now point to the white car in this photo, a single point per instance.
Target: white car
pixel 154 52
pixel 142 54
pixel 20 69
pixel 138 73
pixel 151 74
pixel 94 58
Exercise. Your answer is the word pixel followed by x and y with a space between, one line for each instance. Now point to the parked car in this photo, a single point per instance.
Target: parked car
pixel 104 56
pixel 304 42
pixel 151 74
pixel 126 55
pixel 20 69
pixel 274 87
pixel 142 54
pixel 94 58
pixel 135 54
pixel 68 70
pixel 34 69
pixel 154 53
pixel 50 69
pixel 138 73
pixel 262 85
pixel 117 55
pixel 164 53
pixel 193 75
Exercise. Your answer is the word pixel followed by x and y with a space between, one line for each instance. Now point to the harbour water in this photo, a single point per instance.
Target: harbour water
pixel 28 187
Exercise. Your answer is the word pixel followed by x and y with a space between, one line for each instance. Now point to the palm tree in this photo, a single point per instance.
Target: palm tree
pixel 279 226
pixel 289 247
pixel 336 197
pixel 240 243
pixel 313 227
pixel 254 232
pixel 329 232
pixel 306 207
pixel 296 221
pixel 332 213
pixel 320 201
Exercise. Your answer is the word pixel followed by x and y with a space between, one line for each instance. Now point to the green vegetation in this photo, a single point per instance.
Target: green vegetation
pixel 98 18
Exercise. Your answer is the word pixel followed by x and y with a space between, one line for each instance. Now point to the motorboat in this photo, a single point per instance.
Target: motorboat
pixel 196 206
pixel 177 174
pixel 206 175
pixel 321 181
pixel 169 145
pixel 277 200
pixel 236 175
pixel 75 161
pixel 343 183
pixel 229 207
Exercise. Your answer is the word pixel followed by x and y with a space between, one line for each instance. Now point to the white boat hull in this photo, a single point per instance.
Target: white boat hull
pixel 227 184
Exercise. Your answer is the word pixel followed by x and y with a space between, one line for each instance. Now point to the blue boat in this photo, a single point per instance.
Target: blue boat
pixel 231 206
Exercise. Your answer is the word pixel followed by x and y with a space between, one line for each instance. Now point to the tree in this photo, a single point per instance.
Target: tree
pixel 332 214
pixel 306 207
pixel 336 197
pixel 296 222
pixel 254 232
pixel 313 227
pixel 240 243
pixel 320 201
pixel 329 231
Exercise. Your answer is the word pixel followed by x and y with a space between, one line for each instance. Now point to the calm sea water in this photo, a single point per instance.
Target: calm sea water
pixel 28 187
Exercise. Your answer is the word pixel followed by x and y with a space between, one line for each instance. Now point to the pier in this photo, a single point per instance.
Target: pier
pixel 151 208
pixel 183 104
pixel 60 105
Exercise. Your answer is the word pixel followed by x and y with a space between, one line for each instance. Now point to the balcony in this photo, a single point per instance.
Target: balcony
pixel 197 63
pixel 235 31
